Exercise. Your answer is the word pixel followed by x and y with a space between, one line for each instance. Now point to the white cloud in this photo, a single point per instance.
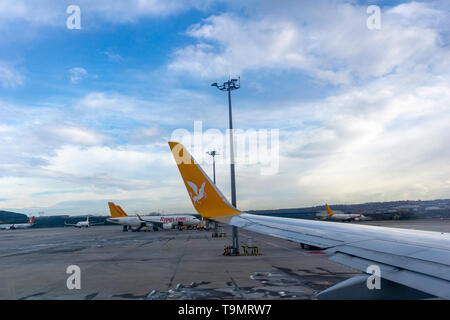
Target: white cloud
pixel 46 11
pixel 334 46
pixel 77 74
pixel 107 102
pixel 75 160
pixel 9 76
pixel 383 141
pixel 75 173
pixel 113 56
pixel 29 132
pixel 148 135
pixel 73 135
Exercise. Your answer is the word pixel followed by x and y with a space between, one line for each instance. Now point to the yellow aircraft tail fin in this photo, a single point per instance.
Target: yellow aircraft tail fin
pixel 115 211
pixel 329 211
pixel 207 199
pixel 121 211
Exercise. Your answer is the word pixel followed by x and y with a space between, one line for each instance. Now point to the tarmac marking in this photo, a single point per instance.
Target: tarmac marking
pixel 236 286
pixel 179 261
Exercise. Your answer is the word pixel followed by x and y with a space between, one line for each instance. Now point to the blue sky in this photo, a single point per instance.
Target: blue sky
pixel 85 114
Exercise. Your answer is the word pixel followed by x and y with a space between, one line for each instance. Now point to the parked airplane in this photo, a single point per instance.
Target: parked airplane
pixel 14 226
pixel 119 216
pixel 342 216
pixel 83 224
pixel 409 264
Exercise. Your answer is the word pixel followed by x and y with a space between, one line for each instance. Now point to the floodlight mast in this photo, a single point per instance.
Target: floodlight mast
pixel 230 85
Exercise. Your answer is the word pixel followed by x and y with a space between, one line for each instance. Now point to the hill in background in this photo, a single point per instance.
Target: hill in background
pixel 408 209
pixel 12 217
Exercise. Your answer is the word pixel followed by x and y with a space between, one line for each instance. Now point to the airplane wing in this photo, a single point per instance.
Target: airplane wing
pixel 413 258
pixel 413 263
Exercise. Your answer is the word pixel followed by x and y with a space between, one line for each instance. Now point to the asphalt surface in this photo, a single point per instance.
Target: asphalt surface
pixel 166 264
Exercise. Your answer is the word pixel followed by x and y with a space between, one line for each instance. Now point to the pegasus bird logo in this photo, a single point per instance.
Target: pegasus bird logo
pixel 198 194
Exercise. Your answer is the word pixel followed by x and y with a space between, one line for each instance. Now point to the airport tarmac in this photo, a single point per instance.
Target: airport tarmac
pixel 166 264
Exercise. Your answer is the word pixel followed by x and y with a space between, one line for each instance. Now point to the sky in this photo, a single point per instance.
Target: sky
pixel 361 114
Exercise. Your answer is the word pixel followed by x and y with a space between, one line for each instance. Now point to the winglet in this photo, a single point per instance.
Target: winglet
pixel 330 212
pixel 207 199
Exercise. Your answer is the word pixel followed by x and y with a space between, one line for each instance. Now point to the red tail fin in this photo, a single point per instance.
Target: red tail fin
pixel 31 221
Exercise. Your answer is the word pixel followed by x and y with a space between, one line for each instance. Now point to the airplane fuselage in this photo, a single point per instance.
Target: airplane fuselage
pixel 174 220
pixel 15 226
pixel 155 221
pixel 82 224
pixel 344 217
pixel 126 221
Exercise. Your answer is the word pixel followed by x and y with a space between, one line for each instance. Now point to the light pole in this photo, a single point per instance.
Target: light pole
pixel 229 86
pixel 213 154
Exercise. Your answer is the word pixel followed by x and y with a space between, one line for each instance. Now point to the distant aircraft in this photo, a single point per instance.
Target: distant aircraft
pixel 406 264
pixel 83 224
pixel 14 226
pixel 119 216
pixel 342 216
